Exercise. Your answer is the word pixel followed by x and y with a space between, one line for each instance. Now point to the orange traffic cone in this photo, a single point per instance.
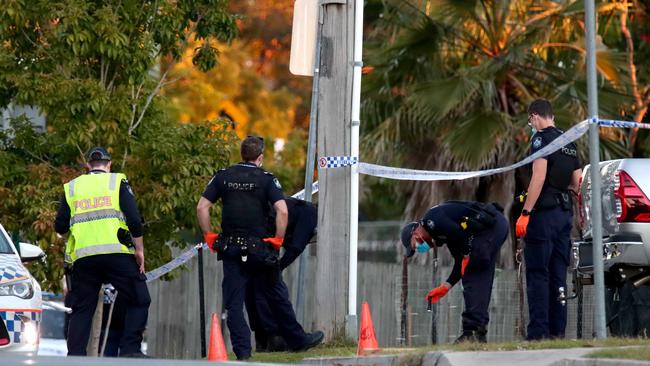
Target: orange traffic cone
pixel 217 350
pixel 367 340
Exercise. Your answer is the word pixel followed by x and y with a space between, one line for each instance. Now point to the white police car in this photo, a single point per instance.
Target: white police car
pixel 20 297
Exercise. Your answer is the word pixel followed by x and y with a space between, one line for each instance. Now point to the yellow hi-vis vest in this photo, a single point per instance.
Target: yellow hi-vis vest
pixel 95 216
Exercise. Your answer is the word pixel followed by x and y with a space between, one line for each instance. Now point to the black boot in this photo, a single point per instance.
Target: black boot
pixel 243 357
pixel 137 354
pixel 312 340
pixel 473 335
pixel 277 344
pixel 261 342
pixel 481 335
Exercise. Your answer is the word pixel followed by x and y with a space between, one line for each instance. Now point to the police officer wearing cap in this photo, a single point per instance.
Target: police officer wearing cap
pixel 545 225
pixel 105 244
pixel 473 232
pixel 248 251
pixel 301 228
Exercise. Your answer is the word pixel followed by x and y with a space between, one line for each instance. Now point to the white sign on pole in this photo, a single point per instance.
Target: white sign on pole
pixel 303 37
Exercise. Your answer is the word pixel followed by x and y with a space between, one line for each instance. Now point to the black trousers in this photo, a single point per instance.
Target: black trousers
pixel 88 275
pixel 271 313
pixel 267 286
pixel 261 318
pixel 479 274
pixel 547 253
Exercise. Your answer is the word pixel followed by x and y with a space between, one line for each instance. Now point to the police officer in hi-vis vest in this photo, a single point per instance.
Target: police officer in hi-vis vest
pixel 105 244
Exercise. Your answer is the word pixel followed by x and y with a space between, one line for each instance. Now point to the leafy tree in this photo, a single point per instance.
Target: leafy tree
pixel 234 90
pixel 626 26
pixel 252 87
pixel 451 81
pixel 92 67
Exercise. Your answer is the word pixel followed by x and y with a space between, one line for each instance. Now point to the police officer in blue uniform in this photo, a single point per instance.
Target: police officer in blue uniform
pixel 545 225
pixel 249 254
pixel 303 219
pixel 473 232
pixel 112 263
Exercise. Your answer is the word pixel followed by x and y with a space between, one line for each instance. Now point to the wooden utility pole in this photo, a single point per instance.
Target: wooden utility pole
pixel 334 106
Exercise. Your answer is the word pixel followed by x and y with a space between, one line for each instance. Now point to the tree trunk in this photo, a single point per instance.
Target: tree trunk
pixel 335 97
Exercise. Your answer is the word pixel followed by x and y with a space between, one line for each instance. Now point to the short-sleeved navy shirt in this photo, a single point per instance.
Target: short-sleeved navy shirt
pixel 561 163
pixel 247 192
pixel 442 222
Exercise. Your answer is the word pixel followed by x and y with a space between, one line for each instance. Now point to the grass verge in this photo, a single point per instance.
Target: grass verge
pixel 341 348
pixel 636 353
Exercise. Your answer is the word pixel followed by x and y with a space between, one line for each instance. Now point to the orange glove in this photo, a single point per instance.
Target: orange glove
pixel 209 238
pixel 522 224
pixel 464 264
pixel 275 242
pixel 436 294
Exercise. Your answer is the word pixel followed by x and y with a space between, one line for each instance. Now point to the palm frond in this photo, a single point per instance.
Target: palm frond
pixel 476 137
pixel 443 97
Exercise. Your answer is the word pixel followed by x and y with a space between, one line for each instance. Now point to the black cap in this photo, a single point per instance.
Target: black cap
pixel 98 153
pixel 407 232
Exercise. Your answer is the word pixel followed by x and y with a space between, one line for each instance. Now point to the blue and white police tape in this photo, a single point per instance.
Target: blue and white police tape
pixel 570 135
pixel 622 124
pixel 175 263
pixel 193 251
pixel 301 195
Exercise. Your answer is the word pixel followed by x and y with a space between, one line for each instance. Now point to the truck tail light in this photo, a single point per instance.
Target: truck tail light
pixel 635 206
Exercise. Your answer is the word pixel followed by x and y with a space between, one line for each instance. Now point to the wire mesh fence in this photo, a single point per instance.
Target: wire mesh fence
pixel 395 290
pixel 508 312
pixel 404 319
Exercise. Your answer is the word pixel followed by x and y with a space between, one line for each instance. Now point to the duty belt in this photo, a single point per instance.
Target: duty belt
pixel 242 242
pixel 238 241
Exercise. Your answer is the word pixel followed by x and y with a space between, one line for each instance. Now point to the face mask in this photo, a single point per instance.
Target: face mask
pixel 533 131
pixel 422 247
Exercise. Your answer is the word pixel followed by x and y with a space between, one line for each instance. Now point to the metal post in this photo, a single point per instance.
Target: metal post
pixel 404 301
pixel 594 160
pixel 311 161
pixel 107 330
pixel 434 310
pixel 202 303
pixel 351 319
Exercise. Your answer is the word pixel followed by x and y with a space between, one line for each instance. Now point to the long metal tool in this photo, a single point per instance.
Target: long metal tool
pixel 202 303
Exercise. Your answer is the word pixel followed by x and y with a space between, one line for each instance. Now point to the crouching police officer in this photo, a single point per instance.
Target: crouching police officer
pixel 100 212
pixel 545 225
pixel 248 253
pixel 301 227
pixel 474 232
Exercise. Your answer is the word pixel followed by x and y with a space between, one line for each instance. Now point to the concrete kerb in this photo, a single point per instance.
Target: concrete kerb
pixel 599 362
pixel 545 357
pixel 406 359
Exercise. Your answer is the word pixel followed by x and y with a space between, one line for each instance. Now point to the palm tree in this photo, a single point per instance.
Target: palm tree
pixel 450 82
